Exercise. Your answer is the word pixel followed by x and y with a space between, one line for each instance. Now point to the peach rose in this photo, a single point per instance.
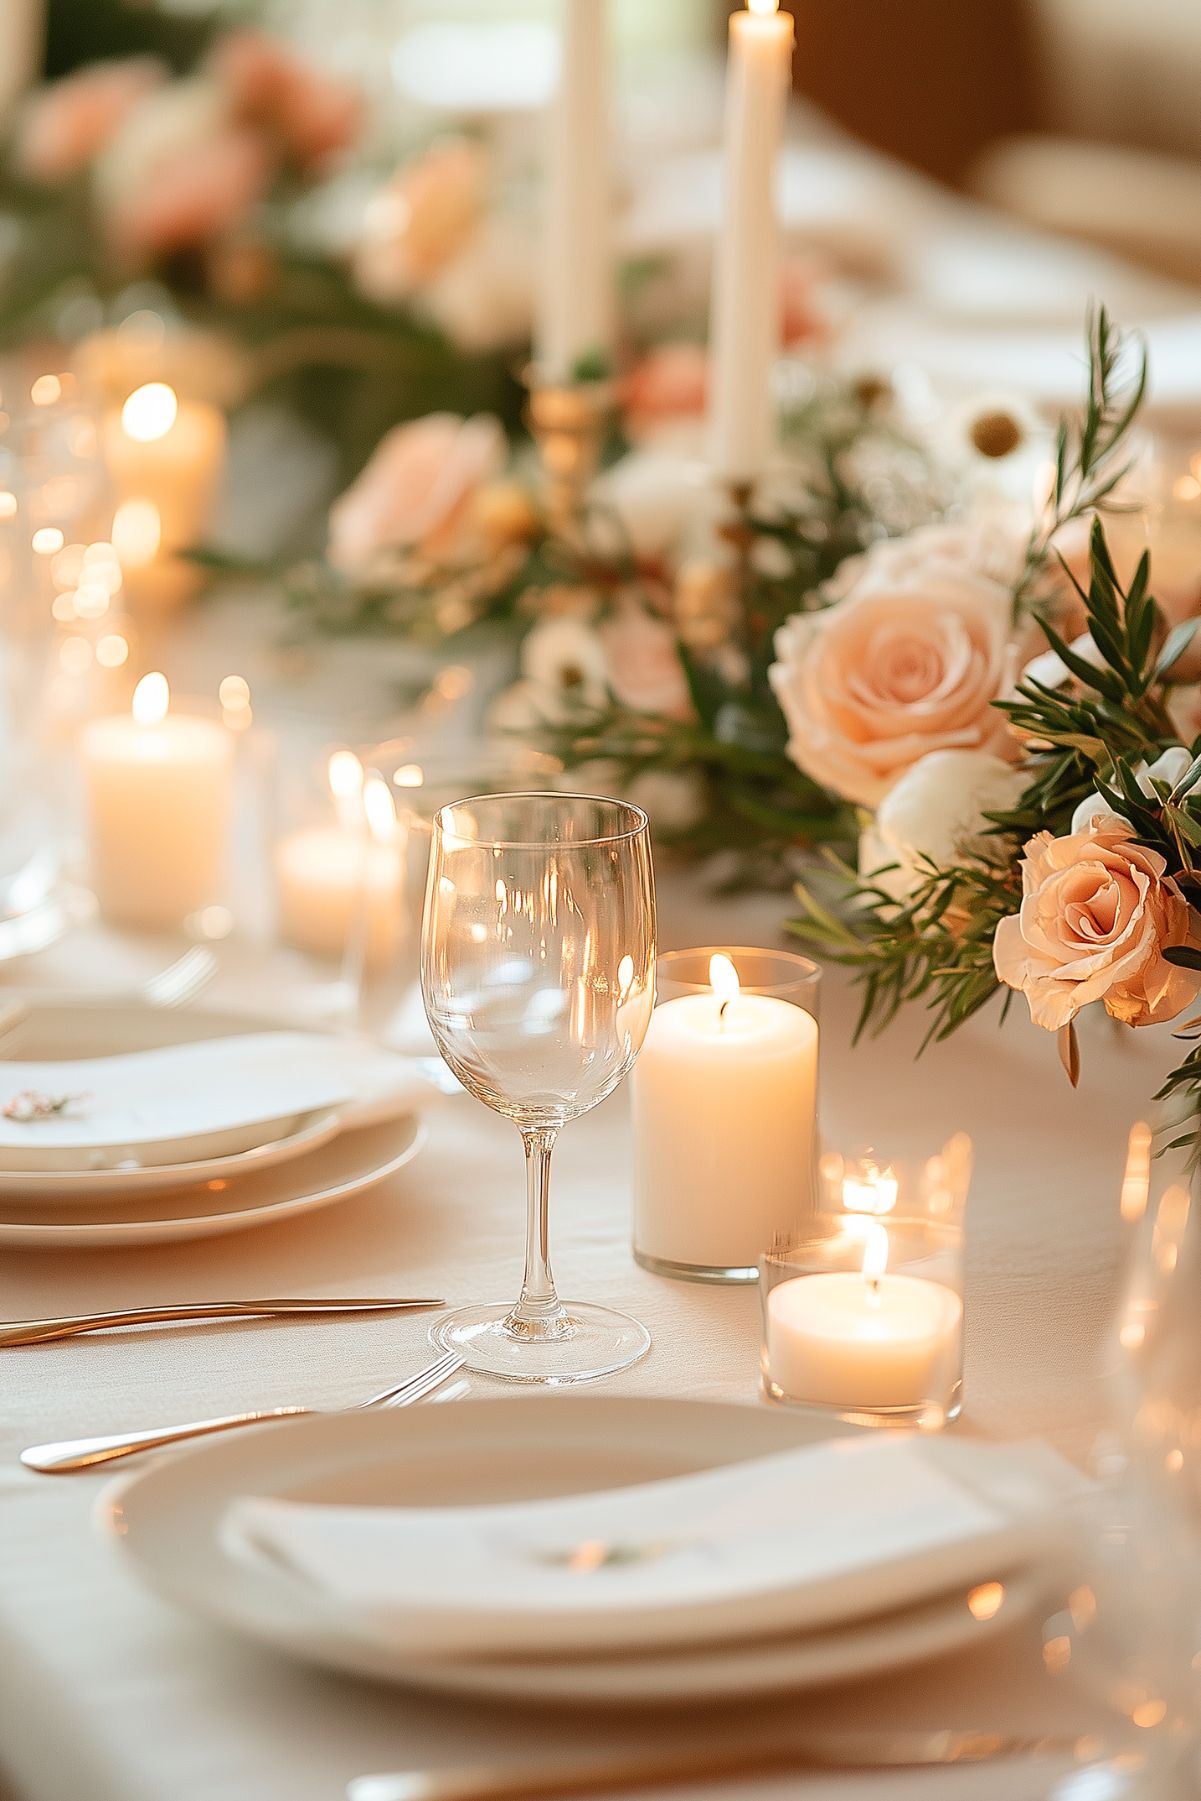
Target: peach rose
pixel 64 126
pixel 417 492
pixel 645 671
pixel 313 116
pixel 670 382
pixel 1097 914
pixel 896 669
pixel 179 173
pixel 421 219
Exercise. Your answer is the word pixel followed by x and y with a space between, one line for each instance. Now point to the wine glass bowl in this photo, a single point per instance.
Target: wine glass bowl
pixel 537 973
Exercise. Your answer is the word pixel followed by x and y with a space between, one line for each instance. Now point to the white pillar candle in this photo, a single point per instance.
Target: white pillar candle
pixel 725 1096
pixel 158 787
pixel 575 311
pixel 340 886
pixel 166 460
pixel 745 325
pixel 864 1341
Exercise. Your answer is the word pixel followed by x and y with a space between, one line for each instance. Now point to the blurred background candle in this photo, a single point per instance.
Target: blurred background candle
pixel 158 787
pixel 725 1102
pixel 340 885
pixel 575 316
pixel 166 460
pixel 745 324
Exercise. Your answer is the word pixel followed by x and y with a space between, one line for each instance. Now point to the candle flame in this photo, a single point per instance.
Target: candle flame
pixel 151 699
pixel 875 1254
pixel 150 412
pixel 723 979
pixel 345 774
pixel 870 1189
pixel 1136 1183
pixel 763 8
pixel 380 810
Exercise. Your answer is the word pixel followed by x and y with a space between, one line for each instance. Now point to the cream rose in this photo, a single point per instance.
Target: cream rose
pixel 898 668
pixel 645 671
pixel 416 493
pixel 936 816
pixel 1097 914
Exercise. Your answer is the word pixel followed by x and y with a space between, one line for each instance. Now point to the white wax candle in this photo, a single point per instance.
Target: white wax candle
pixel 851 1341
pixel 166 460
pixel 575 311
pixel 725 1101
pixel 745 325
pixel 331 881
pixel 158 788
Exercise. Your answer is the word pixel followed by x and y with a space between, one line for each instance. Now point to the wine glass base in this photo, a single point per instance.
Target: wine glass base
pixel 597 1342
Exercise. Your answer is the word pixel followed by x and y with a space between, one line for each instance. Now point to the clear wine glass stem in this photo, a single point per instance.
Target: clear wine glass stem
pixel 539 1311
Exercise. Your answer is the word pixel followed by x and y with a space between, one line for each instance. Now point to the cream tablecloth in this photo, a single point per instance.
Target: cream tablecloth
pixel 108 1694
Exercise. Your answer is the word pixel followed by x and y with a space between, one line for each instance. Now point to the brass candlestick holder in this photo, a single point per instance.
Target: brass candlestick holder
pixel 737 531
pixel 568 421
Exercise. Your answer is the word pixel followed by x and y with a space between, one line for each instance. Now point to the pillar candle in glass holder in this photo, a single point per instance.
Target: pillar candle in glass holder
pixel 344 881
pixel 745 328
pixel 159 789
pixel 725 1095
pixel 575 311
pixel 166 459
pixel 864 1342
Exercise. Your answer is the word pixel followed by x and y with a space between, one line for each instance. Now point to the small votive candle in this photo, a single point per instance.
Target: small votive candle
pixel 725 1105
pixel 159 788
pixel 863 1313
pixel 340 884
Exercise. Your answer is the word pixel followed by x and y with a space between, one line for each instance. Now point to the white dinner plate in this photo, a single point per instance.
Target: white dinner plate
pixel 80 1028
pixel 166 1521
pixel 343 1166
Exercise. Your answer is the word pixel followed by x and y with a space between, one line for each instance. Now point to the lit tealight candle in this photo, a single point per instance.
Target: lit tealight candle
pixel 745 330
pixel 864 1342
pixel 158 787
pixel 340 886
pixel 166 458
pixel 725 1094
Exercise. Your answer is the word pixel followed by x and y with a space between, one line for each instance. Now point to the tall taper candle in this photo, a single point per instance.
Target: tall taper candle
pixel 575 312
pixel 745 325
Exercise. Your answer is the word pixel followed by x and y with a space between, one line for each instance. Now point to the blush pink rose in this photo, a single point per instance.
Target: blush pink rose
pixel 313 116
pixel 670 382
pixel 1097 914
pixel 185 199
pixel 415 225
pixel 896 669
pixel 417 492
pixel 63 127
pixel 645 671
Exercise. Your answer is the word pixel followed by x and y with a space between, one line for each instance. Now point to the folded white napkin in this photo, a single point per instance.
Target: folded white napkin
pixel 213 1086
pixel 841 1530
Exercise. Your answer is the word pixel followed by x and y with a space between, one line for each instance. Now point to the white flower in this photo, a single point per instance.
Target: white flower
pixel 998 445
pixel 483 299
pixel 935 814
pixel 1168 768
pixel 658 498
pixel 1050 670
pixel 564 662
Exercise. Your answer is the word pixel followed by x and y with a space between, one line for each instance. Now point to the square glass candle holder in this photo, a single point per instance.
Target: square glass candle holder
pixel 725 1110
pixel 863 1307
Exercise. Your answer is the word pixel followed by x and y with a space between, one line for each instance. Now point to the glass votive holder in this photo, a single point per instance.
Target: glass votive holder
pixel 337 857
pixel 863 1308
pixel 725 1111
pixel 418 783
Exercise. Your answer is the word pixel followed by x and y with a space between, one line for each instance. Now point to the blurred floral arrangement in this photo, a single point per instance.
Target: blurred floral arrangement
pixel 1027 741
pixel 244 198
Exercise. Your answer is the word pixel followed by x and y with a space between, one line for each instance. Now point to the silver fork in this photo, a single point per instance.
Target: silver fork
pixel 70 1455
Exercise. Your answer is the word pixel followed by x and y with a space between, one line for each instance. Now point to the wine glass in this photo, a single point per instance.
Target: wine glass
pixel 537 973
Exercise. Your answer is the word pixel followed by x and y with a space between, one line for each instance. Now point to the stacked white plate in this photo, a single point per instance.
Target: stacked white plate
pixel 187 1185
pixel 434 1547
